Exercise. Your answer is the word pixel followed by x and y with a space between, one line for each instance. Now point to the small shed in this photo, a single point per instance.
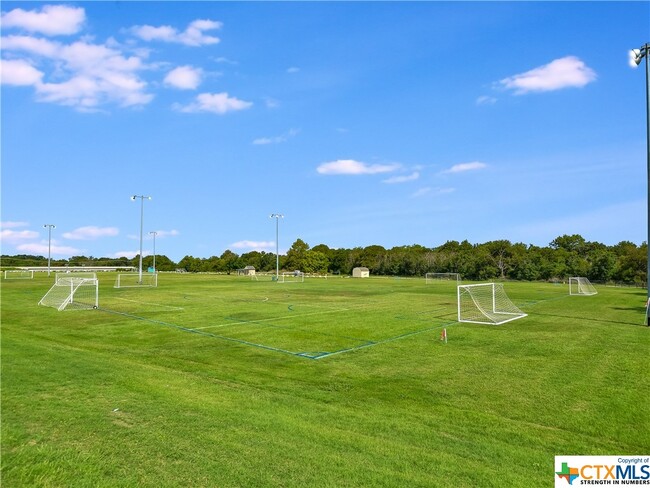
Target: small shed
pixel 247 271
pixel 360 272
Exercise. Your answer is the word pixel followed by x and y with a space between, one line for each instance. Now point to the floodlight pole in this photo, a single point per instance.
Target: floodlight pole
pixel 154 234
pixel 637 57
pixel 49 228
pixel 277 218
pixel 141 197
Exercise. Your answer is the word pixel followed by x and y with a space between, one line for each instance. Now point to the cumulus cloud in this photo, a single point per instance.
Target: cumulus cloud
pixel 218 103
pixel 14 236
pixel 462 167
pixel 51 20
pixel 91 232
pixel 193 35
pixel 403 179
pixel 253 245
pixel 352 167
pixel 92 74
pixel 42 249
pixel 567 72
pixel 184 78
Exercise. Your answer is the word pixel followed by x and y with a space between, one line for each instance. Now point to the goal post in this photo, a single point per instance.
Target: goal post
pixel 486 303
pixel 70 293
pixel 579 285
pixel 135 280
pixel 438 277
pixel 19 274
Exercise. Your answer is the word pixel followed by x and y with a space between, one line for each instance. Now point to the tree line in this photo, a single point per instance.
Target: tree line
pixel 565 256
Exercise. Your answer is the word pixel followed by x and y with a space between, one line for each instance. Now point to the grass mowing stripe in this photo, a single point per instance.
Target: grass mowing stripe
pixel 200 332
pixel 390 339
pixel 293 316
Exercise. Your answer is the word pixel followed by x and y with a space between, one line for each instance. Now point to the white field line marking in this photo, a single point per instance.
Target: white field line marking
pixel 149 303
pixel 282 317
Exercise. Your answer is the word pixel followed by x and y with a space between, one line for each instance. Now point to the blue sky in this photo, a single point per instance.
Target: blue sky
pixel 363 123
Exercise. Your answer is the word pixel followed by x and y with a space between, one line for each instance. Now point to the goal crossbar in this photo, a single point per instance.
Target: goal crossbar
pixel 579 285
pixel 435 277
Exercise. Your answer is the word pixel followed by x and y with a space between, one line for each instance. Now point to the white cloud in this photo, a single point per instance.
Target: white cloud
pixel 222 59
pixel 352 167
pixel 254 245
pixel 8 224
pixel 42 249
pixel 91 232
pixel 92 74
pixel 293 70
pixel 565 72
pixel 34 45
pixel 13 236
pixel 271 102
pixel 184 78
pixel 19 73
pixel 277 139
pixel 402 179
pixel 219 103
pixel 486 100
pixel 193 35
pixel 165 233
pixel 421 192
pixel 51 20
pixel 462 167
pixel 128 254
pixel 435 191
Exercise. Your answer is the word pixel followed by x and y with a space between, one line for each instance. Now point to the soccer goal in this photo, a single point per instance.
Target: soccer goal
pixel 70 293
pixel 438 277
pixel 18 274
pixel 133 280
pixel 294 277
pixel 486 303
pixel 581 286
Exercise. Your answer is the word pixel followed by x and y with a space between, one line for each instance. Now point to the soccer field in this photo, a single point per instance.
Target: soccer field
pixel 224 381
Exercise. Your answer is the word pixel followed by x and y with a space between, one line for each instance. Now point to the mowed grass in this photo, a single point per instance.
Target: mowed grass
pixel 222 381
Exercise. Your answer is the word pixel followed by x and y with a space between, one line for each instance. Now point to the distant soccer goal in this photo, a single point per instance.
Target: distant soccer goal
pixel 69 293
pixel 294 277
pixel 133 280
pixel 581 286
pixel 18 274
pixel 439 277
pixel 486 303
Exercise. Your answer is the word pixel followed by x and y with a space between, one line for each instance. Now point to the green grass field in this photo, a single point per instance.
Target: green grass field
pixel 221 381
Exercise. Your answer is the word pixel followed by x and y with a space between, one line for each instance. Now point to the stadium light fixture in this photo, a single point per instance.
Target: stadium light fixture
pixel 142 198
pixel 277 218
pixel 49 228
pixel 154 234
pixel 636 56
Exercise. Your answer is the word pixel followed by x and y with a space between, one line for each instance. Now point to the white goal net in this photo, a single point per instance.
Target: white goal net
pixel 18 274
pixel 581 286
pixel 71 293
pixel 486 303
pixel 439 277
pixel 134 280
